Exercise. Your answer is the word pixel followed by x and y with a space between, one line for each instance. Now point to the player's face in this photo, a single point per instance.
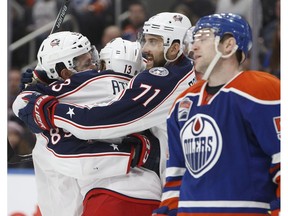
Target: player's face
pixel 203 48
pixel 153 50
pixel 84 62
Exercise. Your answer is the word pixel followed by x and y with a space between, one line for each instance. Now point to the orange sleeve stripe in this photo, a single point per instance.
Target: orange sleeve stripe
pixel 172 203
pixel 173 184
pixel 275 168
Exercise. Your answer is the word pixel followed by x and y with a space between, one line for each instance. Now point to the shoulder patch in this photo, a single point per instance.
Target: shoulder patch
pixel 159 71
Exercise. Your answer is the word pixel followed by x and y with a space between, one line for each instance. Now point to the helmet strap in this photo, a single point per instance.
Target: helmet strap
pixel 217 57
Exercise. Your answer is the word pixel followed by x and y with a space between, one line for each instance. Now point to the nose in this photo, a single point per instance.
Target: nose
pixel 194 45
pixel 145 48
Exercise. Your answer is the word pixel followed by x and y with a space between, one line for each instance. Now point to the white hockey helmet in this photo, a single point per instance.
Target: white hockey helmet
pixel 170 26
pixel 63 47
pixel 123 56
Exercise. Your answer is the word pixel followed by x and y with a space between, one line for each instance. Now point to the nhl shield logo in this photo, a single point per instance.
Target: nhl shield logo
pixel 202 144
pixel 159 71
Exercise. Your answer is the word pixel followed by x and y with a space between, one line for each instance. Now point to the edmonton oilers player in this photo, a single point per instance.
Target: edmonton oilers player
pixel 224 131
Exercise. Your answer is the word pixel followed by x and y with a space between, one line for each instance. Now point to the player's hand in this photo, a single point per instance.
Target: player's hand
pixel 37 114
pixel 140 148
pixel 30 77
pixel 26 79
pixel 275 207
pixel 164 211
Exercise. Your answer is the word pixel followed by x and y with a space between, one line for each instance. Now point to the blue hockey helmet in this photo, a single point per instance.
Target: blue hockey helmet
pixel 228 23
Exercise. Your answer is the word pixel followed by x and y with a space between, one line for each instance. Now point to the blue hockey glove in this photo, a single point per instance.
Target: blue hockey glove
pixel 26 79
pixel 30 77
pixel 37 114
pixel 164 211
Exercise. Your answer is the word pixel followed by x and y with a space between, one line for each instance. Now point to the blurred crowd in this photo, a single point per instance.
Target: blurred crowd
pixel 96 20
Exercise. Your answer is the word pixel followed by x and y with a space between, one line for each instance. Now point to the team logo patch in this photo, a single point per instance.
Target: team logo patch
pixel 202 144
pixel 178 18
pixel 183 109
pixel 159 71
pixel 55 42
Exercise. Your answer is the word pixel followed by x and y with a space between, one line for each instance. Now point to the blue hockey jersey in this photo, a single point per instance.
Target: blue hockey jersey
pixel 224 151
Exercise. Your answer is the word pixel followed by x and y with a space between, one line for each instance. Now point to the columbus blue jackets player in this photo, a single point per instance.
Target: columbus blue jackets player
pixel 144 104
pixel 223 132
pixel 59 157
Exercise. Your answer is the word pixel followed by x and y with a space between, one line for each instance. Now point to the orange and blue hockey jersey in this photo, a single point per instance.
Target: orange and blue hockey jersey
pixel 224 154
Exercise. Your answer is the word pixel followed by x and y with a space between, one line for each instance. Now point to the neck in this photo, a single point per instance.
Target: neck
pixel 223 72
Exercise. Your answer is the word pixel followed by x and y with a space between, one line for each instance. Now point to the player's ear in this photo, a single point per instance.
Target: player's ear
pixel 65 73
pixel 229 45
pixel 173 50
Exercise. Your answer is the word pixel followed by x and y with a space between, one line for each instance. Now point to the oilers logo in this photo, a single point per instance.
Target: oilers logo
pixel 202 144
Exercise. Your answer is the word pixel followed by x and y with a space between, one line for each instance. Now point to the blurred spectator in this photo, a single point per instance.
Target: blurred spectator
pixel 271 62
pixel 14 78
pixel 43 12
pixel 92 16
pixel 22 142
pixel 194 9
pixel 252 11
pixel 268 30
pixel 110 32
pixel 270 52
pixel 18 19
pixel 132 25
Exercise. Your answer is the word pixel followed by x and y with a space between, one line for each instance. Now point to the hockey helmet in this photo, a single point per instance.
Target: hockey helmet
pixel 228 23
pixel 170 26
pixel 63 47
pixel 123 56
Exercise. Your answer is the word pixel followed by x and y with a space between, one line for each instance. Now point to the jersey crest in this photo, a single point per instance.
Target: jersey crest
pixel 202 144
pixel 159 71
pixel 184 109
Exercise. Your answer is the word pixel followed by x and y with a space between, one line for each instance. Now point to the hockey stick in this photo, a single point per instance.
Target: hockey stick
pixel 60 17
pixel 14 158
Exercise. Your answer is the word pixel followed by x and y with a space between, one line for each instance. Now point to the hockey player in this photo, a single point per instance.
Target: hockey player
pixel 60 159
pixel 144 104
pixel 224 132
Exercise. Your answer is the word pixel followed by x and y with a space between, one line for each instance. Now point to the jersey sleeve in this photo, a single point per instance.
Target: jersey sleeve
pixel 262 112
pixel 144 104
pixel 175 166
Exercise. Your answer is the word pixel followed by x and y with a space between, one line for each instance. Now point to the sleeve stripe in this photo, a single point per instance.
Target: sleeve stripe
pixel 276 158
pixel 175 171
pixel 170 194
pixel 224 203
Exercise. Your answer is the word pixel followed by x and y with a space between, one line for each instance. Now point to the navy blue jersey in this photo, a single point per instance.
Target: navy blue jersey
pixel 144 104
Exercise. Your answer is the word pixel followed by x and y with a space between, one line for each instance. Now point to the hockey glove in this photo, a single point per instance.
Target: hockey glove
pixel 164 211
pixel 38 113
pixel 275 207
pixel 30 77
pixel 141 147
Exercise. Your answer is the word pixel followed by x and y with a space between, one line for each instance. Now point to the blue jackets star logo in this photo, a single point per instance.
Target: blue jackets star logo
pixel 115 147
pixel 71 112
